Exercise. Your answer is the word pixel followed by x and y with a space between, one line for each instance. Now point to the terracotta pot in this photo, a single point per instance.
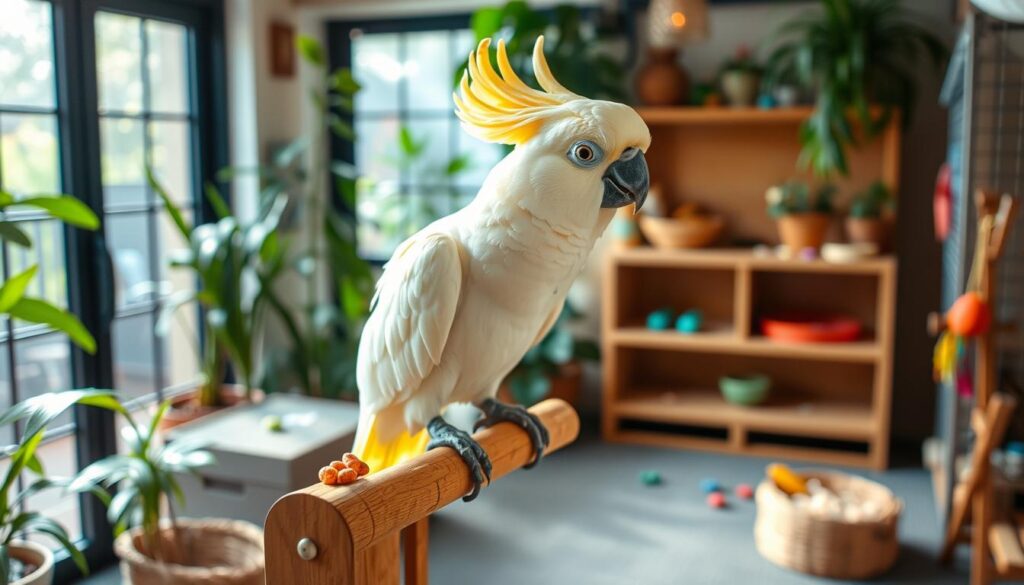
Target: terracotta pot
pixel 184 407
pixel 564 385
pixel 803 230
pixel 740 88
pixel 869 230
pixel 662 81
pixel 205 552
pixel 36 555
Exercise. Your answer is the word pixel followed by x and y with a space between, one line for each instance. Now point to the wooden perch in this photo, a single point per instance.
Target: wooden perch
pixel 350 534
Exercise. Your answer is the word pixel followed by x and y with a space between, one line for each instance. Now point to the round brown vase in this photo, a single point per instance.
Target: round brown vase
pixel 803 230
pixel 869 230
pixel 206 552
pixel 662 81
pixel 185 408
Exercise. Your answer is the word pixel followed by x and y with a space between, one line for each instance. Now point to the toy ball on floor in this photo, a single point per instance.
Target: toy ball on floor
pixel 710 485
pixel 744 491
pixel 690 321
pixel 716 500
pixel 650 478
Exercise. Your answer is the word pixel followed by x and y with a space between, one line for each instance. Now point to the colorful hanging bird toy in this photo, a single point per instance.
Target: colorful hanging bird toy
pixel 967 318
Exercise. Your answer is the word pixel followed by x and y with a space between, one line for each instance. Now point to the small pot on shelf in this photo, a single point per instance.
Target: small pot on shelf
pixel 740 88
pixel 869 230
pixel 36 559
pixel 799 231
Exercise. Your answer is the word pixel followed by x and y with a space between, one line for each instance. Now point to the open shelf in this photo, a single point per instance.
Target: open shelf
pixel 745 258
pixel 726 341
pixel 839 420
pixel 699 115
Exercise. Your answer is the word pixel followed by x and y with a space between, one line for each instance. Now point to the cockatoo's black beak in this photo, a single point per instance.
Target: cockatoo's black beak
pixel 627 180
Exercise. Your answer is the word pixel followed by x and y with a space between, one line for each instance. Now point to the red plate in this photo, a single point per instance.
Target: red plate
pixel 810 328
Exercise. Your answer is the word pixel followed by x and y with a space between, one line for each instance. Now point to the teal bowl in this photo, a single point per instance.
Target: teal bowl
pixel 745 390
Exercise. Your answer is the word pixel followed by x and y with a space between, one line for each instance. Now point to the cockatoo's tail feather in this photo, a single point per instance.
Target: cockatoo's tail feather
pixel 502 108
pixel 380 453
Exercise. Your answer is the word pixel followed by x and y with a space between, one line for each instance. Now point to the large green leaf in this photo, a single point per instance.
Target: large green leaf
pixel 10 232
pixel 14 289
pixel 42 409
pixel 66 208
pixel 310 50
pixel 40 311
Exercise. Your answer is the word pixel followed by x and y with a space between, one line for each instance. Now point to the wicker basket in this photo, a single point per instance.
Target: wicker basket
pixel 798 540
pixel 690 232
pixel 217 552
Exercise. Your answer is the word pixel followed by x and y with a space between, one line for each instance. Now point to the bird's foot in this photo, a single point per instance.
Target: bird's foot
pixel 443 434
pixel 496 412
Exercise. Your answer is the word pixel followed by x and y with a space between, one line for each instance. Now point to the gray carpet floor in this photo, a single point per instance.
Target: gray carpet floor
pixel 583 517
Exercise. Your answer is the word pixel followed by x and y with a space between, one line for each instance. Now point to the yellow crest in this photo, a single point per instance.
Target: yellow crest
pixel 501 108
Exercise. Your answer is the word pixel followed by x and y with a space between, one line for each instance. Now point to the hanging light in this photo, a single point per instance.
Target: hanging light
pixel 673 23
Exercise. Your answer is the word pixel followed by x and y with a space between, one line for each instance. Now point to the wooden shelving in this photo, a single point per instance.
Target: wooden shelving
pixel 697 115
pixel 830 402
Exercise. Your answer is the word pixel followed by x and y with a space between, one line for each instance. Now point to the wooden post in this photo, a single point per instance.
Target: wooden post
pixel 354 530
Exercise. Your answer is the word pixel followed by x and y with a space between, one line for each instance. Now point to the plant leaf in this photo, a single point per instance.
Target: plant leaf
pixel 10 232
pixel 44 525
pixel 14 289
pixel 310 50
pixel 172 209
pixel 40 311
pixel 66 208
pixel 217 202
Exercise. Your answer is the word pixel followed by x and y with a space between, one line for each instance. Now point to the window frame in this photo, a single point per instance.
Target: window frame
pixel 90 276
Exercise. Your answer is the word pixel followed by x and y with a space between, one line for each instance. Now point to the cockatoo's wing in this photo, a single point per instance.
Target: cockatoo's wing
pixel 412 314
pixel 548 324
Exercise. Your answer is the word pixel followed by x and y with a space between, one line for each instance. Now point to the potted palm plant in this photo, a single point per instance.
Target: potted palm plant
pixel 232 263
pixel 870 218
pixel 163 551
pixel 803 220
pixel 23 562
pixel 552 368
pixel 852 54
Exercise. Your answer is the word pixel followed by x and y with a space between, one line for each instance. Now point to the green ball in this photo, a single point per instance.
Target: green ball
pixel 273 423
pixel 650 478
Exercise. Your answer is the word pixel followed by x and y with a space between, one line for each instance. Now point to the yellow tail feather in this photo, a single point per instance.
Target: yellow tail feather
pixel 380 455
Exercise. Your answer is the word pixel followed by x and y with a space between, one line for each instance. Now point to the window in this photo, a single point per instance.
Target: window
pixel 146 118
pixel 91 92
pixel 416 162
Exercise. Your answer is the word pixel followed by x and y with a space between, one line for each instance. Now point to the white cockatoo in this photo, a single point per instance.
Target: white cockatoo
pixel 462 300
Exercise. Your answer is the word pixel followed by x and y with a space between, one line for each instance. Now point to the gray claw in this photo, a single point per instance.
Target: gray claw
pixel 495 412
pixel 443 434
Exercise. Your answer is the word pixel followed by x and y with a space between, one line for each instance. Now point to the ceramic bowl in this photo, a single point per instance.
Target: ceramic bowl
pixel 747 390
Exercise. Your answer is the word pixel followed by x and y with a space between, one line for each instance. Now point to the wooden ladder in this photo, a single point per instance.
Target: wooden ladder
pixel 353 535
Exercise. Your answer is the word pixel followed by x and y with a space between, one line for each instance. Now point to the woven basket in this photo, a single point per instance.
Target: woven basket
pixel 690 232
pixel 207 552
pixel 796 539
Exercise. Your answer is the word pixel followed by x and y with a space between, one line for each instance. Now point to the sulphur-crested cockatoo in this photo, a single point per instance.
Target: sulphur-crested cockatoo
pixel 462 300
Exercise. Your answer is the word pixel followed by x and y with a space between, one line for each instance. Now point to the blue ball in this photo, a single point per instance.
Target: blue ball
pixel 766 101
pixel 659 320
pixel 690 321
pixel 710 485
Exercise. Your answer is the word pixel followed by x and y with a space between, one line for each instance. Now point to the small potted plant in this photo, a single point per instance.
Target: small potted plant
pixel 24 562
pixel 803 219
pixel 168 551
pixel 741 79
pixel 233 266
pixel 551 369
pixel 870 217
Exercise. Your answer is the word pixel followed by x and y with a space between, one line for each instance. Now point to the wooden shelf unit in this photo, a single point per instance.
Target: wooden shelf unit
pixel 830 402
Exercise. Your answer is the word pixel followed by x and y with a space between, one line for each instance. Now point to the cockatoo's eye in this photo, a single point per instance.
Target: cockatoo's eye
pixel 585 154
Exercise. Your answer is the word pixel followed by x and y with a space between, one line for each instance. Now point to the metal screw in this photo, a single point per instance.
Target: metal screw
pixel 307 549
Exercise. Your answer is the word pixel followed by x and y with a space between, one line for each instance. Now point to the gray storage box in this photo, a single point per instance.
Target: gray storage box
pixel 256 466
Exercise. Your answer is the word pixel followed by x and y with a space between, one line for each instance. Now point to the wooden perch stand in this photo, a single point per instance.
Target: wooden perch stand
pixel 350 535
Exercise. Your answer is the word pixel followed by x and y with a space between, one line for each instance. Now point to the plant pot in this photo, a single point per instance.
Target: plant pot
pixel 184 407
pixel 662 81
pixel 740 88
pixel 803 230
pixel 37 555
pixel 206 552
pixel 565 384
pixel 869 230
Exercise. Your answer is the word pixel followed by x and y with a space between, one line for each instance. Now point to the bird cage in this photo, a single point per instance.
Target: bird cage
pixel 984 91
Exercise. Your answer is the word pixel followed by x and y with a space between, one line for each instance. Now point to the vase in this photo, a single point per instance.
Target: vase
pixel 36 555
pixel 207 551
pixel 869 230
pixel 799 231
pixel 662 81
pixel 740 88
